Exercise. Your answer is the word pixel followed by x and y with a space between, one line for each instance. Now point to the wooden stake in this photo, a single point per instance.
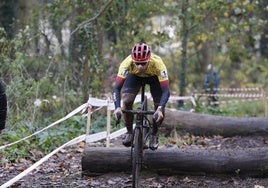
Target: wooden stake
pixel 88 120
pixel 264 102
pixel 108 126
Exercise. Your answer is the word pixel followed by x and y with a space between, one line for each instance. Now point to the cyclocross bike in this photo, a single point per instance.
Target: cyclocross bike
pixel 142 131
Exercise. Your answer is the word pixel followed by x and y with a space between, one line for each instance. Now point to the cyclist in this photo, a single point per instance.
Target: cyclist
pixel 141 66
pixel 3 106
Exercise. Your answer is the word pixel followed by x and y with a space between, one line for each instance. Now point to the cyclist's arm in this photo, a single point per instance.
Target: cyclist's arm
pixel 119 81
pixel 165 93
pixel 161 72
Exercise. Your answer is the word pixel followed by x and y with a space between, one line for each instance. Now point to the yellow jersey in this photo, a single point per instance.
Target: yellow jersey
pixel 156 67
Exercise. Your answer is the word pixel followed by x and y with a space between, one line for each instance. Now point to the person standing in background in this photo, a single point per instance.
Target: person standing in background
pixel 211 84
pixel 3 106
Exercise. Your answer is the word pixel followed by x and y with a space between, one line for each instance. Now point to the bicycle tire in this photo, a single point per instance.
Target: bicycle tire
pixel 146 126
pixel 137 157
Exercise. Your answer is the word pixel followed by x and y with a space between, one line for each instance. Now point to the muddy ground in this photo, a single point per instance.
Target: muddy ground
pixel 64 169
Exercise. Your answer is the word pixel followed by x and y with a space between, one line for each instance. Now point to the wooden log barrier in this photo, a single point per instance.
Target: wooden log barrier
pixel 204 124
pixel 248 162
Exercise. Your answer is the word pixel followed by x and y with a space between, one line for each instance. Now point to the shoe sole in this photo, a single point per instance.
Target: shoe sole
pixel 127 144
pixel 153 148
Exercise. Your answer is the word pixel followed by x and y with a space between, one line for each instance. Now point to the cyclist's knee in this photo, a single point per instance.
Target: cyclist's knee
pixel 128 99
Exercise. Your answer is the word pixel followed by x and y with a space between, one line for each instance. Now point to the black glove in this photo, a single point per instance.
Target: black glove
pixel 118 115
pixel 158 115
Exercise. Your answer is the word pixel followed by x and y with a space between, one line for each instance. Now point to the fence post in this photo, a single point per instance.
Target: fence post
pixel 264 102
pixel 108 124
pixel 88 120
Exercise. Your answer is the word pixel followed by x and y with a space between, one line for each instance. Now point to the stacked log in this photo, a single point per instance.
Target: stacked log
pixel 203 124
pixel 249 162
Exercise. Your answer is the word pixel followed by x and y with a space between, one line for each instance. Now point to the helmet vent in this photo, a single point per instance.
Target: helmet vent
pixel 141 52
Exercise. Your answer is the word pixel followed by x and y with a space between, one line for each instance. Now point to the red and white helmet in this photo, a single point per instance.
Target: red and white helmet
pixel 141 52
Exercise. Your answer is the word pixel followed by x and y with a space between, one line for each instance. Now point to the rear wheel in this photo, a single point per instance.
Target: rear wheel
pixel 137 157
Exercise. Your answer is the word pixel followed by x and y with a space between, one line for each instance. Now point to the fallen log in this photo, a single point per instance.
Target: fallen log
pixel 249 162
pixel 203 124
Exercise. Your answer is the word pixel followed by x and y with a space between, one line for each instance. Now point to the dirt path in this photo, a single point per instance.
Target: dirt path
pixel 64 170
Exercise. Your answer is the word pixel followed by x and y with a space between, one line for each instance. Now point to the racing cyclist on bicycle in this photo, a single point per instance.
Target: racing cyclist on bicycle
pixel 141 66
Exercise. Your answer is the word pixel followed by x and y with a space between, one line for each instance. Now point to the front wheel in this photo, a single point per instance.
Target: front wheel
pixel 137 157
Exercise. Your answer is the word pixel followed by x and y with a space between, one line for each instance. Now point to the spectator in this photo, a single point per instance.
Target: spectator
pixel 3 106
pixel 211 84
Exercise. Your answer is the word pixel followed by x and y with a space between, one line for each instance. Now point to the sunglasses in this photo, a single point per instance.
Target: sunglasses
pixel 141 63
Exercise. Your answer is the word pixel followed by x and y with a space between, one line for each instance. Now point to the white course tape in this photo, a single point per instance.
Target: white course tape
pixel 59 121
pixel 96 137
pixel 118 133
pixel 233 95
pixel 177 98
pixel 236 101
pixel 88 138
pixel 110 105
pixel 38 163
pixel 237 89
pixel 103 135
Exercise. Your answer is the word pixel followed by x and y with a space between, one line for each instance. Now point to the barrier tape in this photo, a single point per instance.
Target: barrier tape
pixel 88 138
pixel 38 163
pixel 110 104
pixel 102 135
pixel 55 123
pixel 171 98
pixel 238 95
pixel 236 89
pixel 85 110
pixel 236 101
pixel 177 98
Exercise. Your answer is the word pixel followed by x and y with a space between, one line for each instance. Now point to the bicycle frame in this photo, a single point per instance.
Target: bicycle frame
pixel 141 133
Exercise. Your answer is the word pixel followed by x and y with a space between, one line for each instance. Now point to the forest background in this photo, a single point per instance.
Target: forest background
pixel 54 54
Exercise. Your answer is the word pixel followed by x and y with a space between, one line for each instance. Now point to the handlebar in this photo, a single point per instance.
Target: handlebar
pixel 155 117
pixel 138 112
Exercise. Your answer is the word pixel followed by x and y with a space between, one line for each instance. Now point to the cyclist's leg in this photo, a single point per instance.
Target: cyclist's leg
pixel 129 91
pixel 128 100
pixel 156 92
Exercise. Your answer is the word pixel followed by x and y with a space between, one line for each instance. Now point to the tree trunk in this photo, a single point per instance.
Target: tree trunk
pixel 185 31
pixel 202 124
pixel 250 162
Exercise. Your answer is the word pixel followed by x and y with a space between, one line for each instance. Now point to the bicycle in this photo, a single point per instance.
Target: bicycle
pixel 142 131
